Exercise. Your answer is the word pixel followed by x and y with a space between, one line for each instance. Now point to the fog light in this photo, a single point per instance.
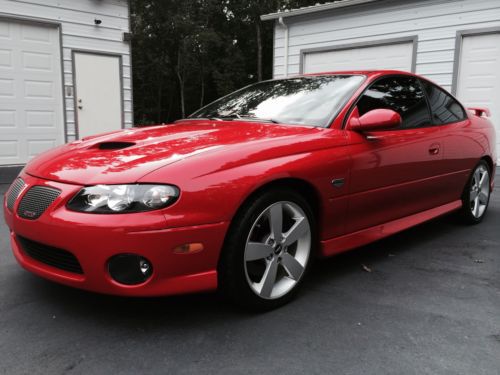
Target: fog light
pixel 130 269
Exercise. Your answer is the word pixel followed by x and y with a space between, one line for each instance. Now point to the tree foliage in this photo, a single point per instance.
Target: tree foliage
pixel 187 53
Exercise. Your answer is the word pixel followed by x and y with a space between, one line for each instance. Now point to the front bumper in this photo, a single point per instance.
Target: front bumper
pixel 94 239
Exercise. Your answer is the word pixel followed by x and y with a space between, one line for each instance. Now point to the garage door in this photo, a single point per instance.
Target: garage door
pixel 31 111
pixel 479 75
pixel 391 56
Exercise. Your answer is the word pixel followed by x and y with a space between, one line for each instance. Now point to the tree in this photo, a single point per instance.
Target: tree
pixel 188 53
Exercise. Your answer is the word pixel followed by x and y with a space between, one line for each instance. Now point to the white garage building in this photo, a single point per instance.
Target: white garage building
pixel 65 73
pixel 455 43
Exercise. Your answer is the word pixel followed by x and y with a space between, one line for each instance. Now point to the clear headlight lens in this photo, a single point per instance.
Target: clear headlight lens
pixel 157 196
pixel 110 199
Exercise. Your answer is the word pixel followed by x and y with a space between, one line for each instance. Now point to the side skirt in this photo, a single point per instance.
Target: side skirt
pixel 366 236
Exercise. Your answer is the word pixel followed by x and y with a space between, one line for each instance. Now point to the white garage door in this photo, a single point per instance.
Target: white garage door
pixel 31 111
pixel 479 75
pixel 391 56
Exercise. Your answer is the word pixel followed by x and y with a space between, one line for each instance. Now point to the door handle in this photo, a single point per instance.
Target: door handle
pixel 434 149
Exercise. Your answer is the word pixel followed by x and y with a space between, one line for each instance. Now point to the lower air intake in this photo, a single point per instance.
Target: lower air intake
pixel 50 256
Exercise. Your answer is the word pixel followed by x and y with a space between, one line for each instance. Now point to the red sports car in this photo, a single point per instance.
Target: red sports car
pixel 244 193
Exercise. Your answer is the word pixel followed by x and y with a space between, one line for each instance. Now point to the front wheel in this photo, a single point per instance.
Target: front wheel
pixel 476 195
pixel 268 250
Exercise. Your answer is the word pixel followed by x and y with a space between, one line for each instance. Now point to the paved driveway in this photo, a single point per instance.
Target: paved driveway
pixel 430 305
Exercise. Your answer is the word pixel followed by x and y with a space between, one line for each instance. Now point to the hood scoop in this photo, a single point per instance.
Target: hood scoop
pixel 114 145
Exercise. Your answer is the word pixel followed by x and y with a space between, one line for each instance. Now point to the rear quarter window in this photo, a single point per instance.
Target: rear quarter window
pixel 445 109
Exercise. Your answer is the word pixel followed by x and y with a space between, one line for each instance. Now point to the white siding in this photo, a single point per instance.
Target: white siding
pixel 397 56
pixel 434 22
pixel 78 32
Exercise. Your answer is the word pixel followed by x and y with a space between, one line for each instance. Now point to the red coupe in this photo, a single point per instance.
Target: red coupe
pixel 243 194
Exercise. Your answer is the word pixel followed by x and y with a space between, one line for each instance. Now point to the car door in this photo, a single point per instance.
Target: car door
pixel 394 173
pixel 462 144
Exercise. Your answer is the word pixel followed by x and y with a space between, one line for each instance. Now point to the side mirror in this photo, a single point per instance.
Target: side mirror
pixel 377 119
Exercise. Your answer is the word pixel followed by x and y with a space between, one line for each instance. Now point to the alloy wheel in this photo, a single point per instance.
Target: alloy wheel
pixel 277 250
pixel 479 191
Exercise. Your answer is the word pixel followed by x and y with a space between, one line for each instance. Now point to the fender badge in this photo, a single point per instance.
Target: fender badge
pixel 338 182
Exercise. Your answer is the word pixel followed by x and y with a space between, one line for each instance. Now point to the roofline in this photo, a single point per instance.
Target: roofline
pixel 314 9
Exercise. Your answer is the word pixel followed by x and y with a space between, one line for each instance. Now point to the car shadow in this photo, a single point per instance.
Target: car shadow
pixel 209 308
pixel 411 240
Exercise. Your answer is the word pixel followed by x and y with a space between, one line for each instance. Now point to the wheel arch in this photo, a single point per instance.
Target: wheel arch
pixel 490 163
pixel 308 191
pixel 305 188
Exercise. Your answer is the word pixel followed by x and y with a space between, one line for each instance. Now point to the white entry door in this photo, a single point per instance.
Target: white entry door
pixel 479 75
pixel 31 102
pixel 98 93
pixel 398 56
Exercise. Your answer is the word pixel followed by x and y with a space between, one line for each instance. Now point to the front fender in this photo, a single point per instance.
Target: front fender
pixel 211 193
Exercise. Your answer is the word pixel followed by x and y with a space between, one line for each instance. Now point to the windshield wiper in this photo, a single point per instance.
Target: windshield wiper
pixel 232 118
pixel 202 118
pixel 250 118
pixel 269 120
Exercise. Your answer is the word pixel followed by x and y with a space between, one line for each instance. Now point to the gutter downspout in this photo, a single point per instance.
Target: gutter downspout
pixel 282 23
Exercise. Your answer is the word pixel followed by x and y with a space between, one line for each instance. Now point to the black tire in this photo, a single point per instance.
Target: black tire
pixel 232 274
pixel 466 214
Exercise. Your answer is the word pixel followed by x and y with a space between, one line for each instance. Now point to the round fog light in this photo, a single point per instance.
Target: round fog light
pixel 130 269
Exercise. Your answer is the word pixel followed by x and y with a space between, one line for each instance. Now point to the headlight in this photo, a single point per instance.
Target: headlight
pixel 116 199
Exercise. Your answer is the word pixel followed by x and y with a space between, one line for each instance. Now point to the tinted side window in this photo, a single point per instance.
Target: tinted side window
pixel 401 94
pixel 445 109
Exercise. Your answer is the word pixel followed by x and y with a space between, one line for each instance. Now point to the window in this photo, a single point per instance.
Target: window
pixel 401 94
pixel 311 101
pixel 445 109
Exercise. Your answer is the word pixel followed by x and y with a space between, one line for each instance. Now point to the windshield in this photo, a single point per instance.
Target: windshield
pixel 311 101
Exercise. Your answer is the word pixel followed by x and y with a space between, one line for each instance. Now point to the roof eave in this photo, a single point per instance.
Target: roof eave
pixel 314 9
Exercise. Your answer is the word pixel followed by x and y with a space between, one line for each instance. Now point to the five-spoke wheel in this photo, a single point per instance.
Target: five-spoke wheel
pixel 477 194
pixel 268 249
pixel 277 249
pixel 479 191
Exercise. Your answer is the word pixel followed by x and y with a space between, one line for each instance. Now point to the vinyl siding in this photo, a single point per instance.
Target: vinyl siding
pixel 78 32
pixel 434 22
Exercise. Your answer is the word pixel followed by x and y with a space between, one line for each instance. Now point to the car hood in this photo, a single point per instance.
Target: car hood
pixel 126 156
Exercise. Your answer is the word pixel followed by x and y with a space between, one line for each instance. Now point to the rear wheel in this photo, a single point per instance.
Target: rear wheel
pixel 476 195
pixel 268 250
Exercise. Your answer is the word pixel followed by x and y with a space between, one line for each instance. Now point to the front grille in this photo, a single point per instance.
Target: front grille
pixel 36 201
pixel 51 256
pixel 15 189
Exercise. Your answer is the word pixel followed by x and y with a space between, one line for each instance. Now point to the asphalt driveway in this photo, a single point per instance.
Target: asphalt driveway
pixel 426 301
